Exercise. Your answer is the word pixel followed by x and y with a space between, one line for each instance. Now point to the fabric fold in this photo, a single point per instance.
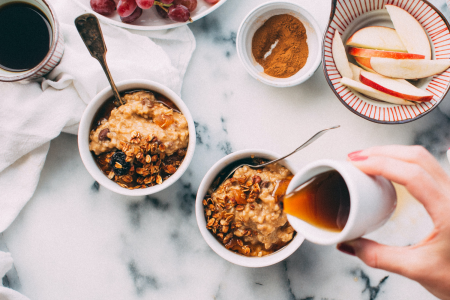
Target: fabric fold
pixel 36 112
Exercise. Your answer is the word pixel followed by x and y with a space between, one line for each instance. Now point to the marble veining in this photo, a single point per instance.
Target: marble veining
pixel 77 240
pixel 141 281
pixel 437 138
pixel 371 290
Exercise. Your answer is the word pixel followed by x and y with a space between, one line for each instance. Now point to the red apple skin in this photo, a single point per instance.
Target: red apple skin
pixel 380 88
pixel 363 61
pixel 361 52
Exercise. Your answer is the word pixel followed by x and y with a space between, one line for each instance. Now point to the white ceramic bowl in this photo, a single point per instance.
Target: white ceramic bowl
pixel 150 20
pixel 85 128
pixel 256 18
pixel 347 19
pixel 254 262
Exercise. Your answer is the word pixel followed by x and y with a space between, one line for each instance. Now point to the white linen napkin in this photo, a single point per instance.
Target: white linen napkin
pixel 6 263
pixel 32 114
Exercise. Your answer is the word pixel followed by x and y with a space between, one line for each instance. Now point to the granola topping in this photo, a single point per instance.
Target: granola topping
pixel 244 212
pixel 141 143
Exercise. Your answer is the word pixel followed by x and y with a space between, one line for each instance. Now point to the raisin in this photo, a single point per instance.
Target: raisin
pixel 256 179
pixel 118 163
pixel 103 135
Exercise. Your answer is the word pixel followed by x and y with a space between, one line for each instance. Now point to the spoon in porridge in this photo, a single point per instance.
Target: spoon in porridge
pixel 250 162
pixel 89 29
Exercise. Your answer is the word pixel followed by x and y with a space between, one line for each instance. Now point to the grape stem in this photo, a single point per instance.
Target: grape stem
pixel 163 6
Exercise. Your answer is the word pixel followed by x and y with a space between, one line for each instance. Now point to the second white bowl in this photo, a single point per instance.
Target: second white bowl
pixel 219 248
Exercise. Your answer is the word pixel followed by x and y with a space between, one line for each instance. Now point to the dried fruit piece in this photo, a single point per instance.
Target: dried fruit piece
pixel 119 164
pixel 103 135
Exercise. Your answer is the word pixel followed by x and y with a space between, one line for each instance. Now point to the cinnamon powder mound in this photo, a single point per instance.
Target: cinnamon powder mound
pixel 291 51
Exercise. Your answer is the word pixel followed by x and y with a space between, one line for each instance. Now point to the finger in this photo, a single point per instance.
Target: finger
pixel 393 259
pixel 412 154
pixel 416 180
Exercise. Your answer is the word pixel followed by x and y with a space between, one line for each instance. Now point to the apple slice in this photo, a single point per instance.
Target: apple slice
pixel 380 53
pixel 394 88
pixel 340 56
pixel 377 37
pixel 411 33
pixel 373 93
pixel 356 71
pixel 364 62
pixel 407 68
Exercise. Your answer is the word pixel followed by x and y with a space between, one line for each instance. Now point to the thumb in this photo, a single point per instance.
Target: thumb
pixel 393 259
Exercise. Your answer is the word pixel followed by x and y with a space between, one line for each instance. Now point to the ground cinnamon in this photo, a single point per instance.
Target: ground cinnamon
pixel 291 50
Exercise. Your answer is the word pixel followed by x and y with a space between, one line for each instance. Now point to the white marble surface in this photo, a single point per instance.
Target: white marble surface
pixel 75 240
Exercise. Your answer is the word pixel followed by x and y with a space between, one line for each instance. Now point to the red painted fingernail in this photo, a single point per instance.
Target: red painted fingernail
pixel 354 153
pixel 358 158
pixel 345 248
pixel 354 156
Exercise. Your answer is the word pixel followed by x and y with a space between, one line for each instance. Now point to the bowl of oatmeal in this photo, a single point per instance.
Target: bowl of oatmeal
pixel 241 219
pixel 140 147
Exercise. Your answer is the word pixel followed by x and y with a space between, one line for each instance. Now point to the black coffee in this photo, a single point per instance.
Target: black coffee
pixel 25 36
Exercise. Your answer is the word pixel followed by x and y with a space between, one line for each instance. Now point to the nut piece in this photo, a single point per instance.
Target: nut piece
pixel 211 222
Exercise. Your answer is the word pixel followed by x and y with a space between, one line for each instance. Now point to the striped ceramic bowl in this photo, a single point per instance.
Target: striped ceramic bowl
pixel 55 53
pixel 347 17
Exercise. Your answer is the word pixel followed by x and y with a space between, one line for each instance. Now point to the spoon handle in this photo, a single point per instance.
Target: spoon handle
pixel 89 29
pixel 304 145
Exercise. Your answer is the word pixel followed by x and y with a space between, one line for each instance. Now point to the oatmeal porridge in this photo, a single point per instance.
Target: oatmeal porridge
pixel 140 143
pixel 244 212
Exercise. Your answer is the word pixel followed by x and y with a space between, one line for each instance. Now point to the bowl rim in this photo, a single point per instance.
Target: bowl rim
pixel 149 27
pixel 244 24
pixel 218 248
pixel 333 10
pixel 85 128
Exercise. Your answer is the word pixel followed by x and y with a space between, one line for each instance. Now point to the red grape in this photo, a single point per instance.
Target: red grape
pixel 179 13
pixel 145 4
pixel 166 1
pixel 133 17
pixel 212 1
pixel 103 7
pixel 126 7
pixel 190 4
pixel 162 13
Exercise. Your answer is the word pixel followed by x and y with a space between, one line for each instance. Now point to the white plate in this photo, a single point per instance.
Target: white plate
pixel 150 20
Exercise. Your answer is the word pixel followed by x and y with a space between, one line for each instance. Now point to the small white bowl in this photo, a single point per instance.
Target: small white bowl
pixel 256 18
pixel 85 129
pixel 253 262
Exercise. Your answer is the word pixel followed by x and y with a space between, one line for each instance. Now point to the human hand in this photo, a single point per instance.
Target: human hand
pixel 427 262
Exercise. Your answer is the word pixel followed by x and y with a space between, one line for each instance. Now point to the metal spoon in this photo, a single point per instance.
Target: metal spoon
pixel 89 29
pixel 240 163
